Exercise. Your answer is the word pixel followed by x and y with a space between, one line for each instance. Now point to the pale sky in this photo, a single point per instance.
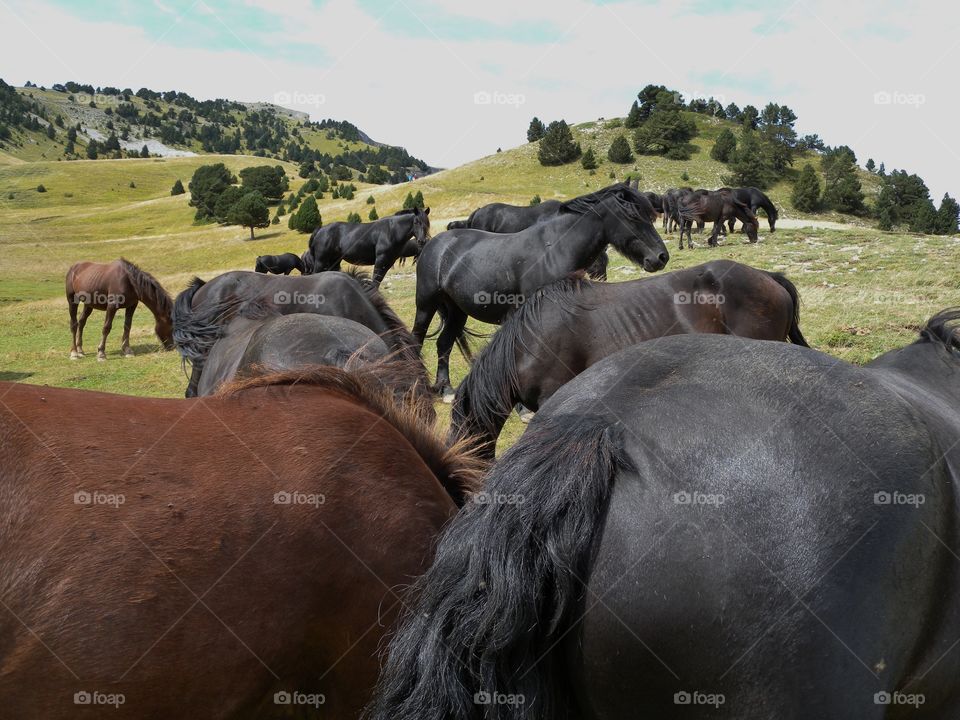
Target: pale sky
pixel 877 76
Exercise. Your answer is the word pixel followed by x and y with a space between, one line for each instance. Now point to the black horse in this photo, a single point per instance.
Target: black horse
pixel 755 200
pixel 716 206
pixel 794 557
pixel 471 273
pixel 202 311
pixel 504 218
pixel 671 201
pixel 279 264
pixel 379 243
pixel 573 323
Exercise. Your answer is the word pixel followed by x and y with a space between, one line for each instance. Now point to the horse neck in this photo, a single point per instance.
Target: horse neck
pixel 586 237
pixel 154 305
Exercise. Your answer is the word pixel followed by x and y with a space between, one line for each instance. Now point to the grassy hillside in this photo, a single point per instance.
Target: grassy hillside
pixel 863 291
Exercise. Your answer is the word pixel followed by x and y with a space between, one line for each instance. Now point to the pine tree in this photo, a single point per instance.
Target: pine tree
pixel 947 216
pixel 373 214
pixel 418 200
pixel 177 188
pixel 632 120
pixel 871 165
pixel 408 202
pixel 842 190
pixel 144 152
pixel 307 218
pixel 589 160
pixel 724 147
pixel 748 165
pixel 806 191
pixel 619 151
pixel 666 132
pixel 536 130
pixel 93 149
pixel 557 146
pixel 250 211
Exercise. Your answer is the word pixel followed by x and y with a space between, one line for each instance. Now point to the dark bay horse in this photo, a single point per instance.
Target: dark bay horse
pixel 755 200
pixel 670 201
pixel 573 323
pixel 110 287
pixel 265 342
pixel 716 206
pixel 228 557
pixel 378 243
pixel 202 311
pixel 794 557
pixel 472 273
pixel 282 264
pixel 503 218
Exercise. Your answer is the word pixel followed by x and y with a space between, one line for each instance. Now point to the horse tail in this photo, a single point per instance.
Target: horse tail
pixel 193 334
pixel 487 621
pixel 796 337
pixel 463 339
pixel 487 394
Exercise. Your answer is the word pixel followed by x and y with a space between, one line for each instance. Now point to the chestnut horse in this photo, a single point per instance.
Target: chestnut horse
pixel 220 557
pixel 109 287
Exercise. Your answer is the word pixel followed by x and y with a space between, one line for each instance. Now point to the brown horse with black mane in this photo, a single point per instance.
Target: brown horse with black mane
pixel 220 556
pixel 109 287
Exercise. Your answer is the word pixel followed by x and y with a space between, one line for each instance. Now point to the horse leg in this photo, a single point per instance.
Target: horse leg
pixel 422 320
pixel 82 323
pixel 454 323
pixel 107 327
pixel 73 331
pixel 127 324
pixel 712 241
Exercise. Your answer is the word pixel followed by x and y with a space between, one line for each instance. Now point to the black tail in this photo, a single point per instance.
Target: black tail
pixel 505 585
pixel 796 337
pixel 192 336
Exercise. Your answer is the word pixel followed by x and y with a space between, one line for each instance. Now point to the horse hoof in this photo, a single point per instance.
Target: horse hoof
pixel 101 358
pixel 75 356
pixel 526 416
pixel 128 353
pixel 448 398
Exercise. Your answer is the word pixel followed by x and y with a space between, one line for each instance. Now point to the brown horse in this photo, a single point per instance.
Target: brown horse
pixel 716 206
pixel 109 287
pixel 224 557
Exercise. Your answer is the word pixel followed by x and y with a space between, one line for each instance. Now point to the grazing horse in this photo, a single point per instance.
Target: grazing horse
pixel 202 311
pixel 714 206
pixel 227 557
pixel 503 218
pixel 671 200
pixel 264 341
pixel 109 287
pixel 279 264
pixel 755 200
pixel 573 323
pixel 379 243
pixel 471 273
pixel 793 557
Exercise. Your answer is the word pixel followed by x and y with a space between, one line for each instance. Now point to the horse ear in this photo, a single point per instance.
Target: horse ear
pixel 635 184
pixel 426 211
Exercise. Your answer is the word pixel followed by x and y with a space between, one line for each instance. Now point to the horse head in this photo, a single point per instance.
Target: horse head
pixel 421 226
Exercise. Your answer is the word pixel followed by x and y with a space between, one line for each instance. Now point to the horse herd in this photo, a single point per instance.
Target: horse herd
pixel 704 518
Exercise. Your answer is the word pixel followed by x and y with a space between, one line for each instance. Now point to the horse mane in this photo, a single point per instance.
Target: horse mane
pixel 943 328
pixel 488 393
pixel 626 197
pixel 398 336
pixel 148 288
pixel 458 467
pixel 195 332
